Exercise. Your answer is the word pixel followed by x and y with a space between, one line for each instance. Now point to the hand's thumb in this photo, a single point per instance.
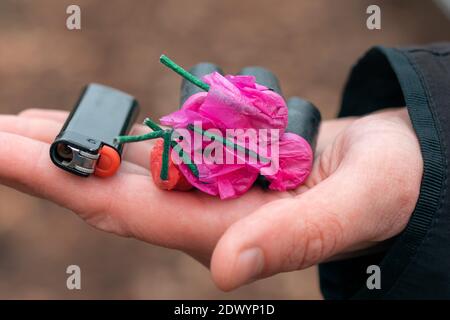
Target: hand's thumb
pixel 291 234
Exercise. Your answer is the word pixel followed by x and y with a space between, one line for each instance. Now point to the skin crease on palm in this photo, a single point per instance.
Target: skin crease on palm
pixel 362 190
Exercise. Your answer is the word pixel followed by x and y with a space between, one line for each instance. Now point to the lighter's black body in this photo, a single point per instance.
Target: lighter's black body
pixel 101 114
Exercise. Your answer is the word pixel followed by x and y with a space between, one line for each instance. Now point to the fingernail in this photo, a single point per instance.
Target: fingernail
pixel 249 265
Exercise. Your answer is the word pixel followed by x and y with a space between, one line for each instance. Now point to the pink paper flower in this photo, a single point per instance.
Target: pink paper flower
pixel 238 102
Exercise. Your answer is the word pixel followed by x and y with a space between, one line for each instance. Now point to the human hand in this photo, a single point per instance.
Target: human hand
pixel 362 190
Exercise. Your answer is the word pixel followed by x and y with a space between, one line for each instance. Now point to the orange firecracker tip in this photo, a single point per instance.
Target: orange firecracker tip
pixel 175 180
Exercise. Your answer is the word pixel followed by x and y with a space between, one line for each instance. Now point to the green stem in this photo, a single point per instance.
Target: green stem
pixel 164 175
pixel 182 72
pixel 166 134
pixel 152 125
pixel 227 142
pixel 186 159
pixel 147 136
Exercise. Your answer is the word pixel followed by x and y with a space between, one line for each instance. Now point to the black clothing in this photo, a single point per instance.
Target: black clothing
pixel 417 264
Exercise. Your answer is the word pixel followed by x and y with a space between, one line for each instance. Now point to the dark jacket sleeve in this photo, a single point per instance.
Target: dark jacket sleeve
pixel 417 263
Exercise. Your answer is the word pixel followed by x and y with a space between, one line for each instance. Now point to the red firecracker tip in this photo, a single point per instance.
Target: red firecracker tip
pixel 175 180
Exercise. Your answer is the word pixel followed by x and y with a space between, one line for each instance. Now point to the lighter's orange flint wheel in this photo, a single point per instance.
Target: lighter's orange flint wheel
pixel 108 163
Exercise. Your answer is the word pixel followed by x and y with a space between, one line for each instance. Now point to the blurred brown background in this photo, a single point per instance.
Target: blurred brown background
pixel 310 45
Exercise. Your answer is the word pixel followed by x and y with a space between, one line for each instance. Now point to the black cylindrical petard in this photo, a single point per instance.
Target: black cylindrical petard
pixel 268 79
pixel 304 120
pixel 264 77
pixel 199 70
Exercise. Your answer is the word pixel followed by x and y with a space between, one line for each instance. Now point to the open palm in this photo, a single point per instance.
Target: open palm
pixel 362 190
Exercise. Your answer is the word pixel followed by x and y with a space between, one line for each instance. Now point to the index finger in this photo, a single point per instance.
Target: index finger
pixel 125 204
